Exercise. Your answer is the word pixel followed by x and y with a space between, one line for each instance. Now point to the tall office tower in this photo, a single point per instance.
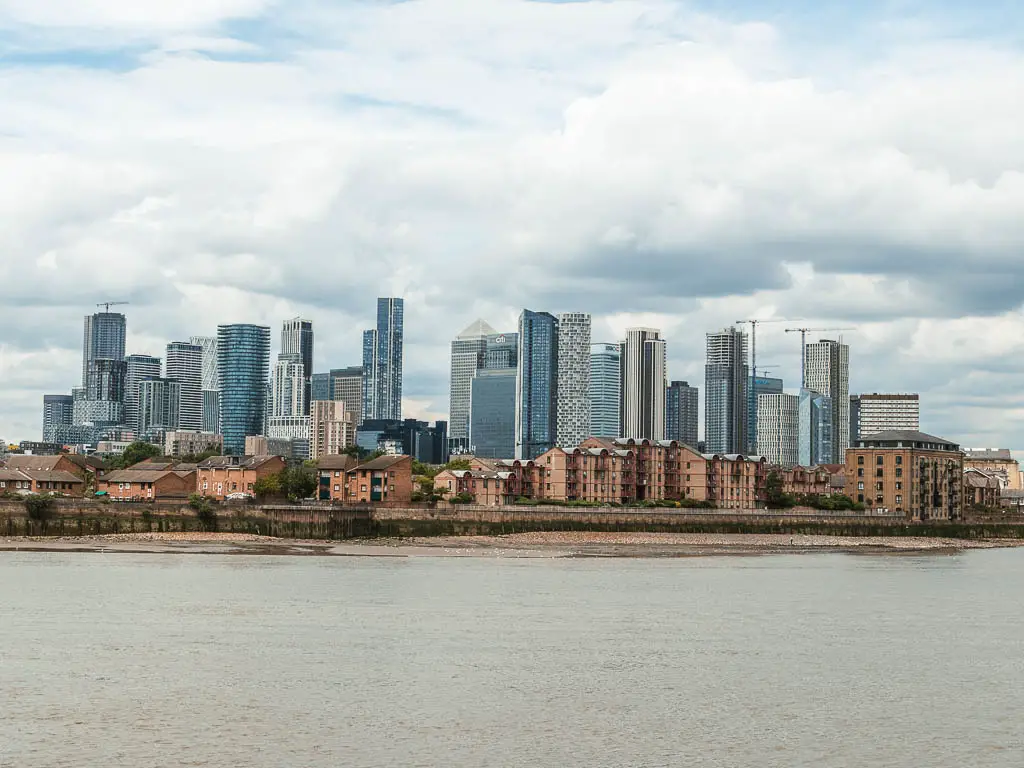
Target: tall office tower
pixel 815 426
pixel 573 396
pixel 501 351
pixel 778 428
pixel 536 384
pixel 827 371
pixel 467 357
pixel 763 385
pixel 211 405
pixel 332 428
pixel 346 385
pixel 681 405
pixel 103 340
pixel 875 413
pixel 184 362
pixel 644 384
pixel 138 368
pixel 58 411
pixel 382 362
pixel 159 406
pixel 102 403
pixel 288 387
pixel 297 339
pixel 243 363
pixel 726 383
pixel 492 413
pixel 605 389
pixel 320 388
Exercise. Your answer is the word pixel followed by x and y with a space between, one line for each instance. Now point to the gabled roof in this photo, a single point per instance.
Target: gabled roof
pixel 477 329
pixel 136 475
pixel 87 462
pixel 12 475
pixel 342 461
pixel 52 476
pixel 990 454
pixel 247 462
pixel 24 461
pixel 382 462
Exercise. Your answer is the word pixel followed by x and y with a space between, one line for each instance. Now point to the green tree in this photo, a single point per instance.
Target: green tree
pixel 136 452
pixel 298 482
pixel 458 464
pixel 776 499
pixel 205 513
pixel 268 485
pixel 40 510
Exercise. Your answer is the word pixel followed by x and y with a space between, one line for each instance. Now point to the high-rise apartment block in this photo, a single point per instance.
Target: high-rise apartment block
pixel 726 384
pixel 467 357
pixel 759 385
pixel 573 398
pixel 211 397
pixel 642 403
pixel 58 412
pixel 288 387
pixel 297 340
pixel 138 368
pixel 827 371
pixel 681 404
pixel 605 390
pixel 184 362
pixel 104 339
pixel 159 407
pixel 874 413
pixel 382 362
pixel 332 428
pixel 243 363
pixel 778 423
pixel 536 400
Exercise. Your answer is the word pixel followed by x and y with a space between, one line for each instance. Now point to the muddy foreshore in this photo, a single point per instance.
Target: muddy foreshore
pixel 522 545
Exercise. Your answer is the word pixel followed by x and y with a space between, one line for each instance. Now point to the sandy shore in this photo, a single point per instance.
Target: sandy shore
pixel 531 545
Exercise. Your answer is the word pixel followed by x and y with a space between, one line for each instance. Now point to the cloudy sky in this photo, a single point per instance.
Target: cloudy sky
pixel 653 162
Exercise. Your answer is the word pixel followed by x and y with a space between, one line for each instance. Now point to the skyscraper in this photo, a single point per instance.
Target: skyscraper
pixel 763 385
pixel 243 362
pixel 643 384
pixel 103 339
pixel 159 406
pixel 138 369
pixel 726 382
pixel 573 397
pixel 815 429
pixel 501 350
pixel 332 428
pixel 871 414
pixel 681 405
pixel 827 371
pixel 382 362
pixel 605 389
pixel 492 425
pixel 536 384
pixel 297 339
pixel 211 397
pixel 467 357
pixel 778 424
pixel 184 363
pixel 288 387
pixel 346 385
pixel 57 413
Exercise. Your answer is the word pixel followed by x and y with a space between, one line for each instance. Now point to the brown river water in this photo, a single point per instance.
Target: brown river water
pixel 824 660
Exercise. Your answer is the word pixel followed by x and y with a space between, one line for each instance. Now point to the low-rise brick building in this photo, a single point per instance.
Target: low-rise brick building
pixel 804 481
pixel 150 481
pixel 487 487
pixel 982 488
pixel 384 480
pixel 919 475
pixel 332 482
pixel 56 482
pixel 221 476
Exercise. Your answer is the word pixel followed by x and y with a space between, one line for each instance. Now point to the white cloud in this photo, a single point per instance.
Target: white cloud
pixel 629 159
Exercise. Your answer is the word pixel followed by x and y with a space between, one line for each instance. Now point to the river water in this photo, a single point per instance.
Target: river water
pixel 786 660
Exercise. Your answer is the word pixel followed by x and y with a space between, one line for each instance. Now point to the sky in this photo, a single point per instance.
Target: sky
pixel 670 164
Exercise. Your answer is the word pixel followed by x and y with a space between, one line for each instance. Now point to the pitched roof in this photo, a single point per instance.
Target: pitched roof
pixel 248 462
pixel 382 462
pixel 904 436
pixel 12 475
pixel 86 461
pixel 135 475
pixel 342 461
pixel 24 461
pixel 991 454
pixel 150 464
pixel 477 329
pixel 52 476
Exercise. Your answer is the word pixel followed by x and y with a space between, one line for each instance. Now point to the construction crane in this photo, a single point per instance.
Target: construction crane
pixel 108 304
pixel 753 355
pixel 803 346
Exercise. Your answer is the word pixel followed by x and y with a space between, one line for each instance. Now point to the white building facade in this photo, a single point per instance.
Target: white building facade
pixel 573 397
pixel 778 428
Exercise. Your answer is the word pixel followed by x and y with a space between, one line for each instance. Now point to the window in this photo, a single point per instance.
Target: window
pixel 879 473
pixel 899 472
pixel 860 460
pixel 362 488
pixel 337 474
pixel 391 488
pixel 878 486
pixel 879 460
pixel 879 500
pixel 860 472
pixel 899 460
pixel 337 488
pixel 860 486
pixel 899 499
pixel 549 486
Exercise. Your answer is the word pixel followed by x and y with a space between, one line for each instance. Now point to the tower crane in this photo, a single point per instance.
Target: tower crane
pixel 753 357
pixel 108 304
pixel 803 346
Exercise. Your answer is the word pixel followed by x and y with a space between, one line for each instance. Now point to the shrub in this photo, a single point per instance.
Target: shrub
pixel 40 509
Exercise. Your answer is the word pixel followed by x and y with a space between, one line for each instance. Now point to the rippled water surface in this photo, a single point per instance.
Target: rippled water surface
pixel 817 660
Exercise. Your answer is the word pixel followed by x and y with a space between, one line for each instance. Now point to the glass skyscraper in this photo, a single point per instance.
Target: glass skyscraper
pixel 642 367
pixel 681 403
pixel 382 362
pixel 605 389
pixel 492 415
pixel 243 366
pixel 726 384
pixel 815 429
pixel 139 368
pixel 536 384
pixel 57 413
pixel 467 357
pixel 103 340
pixel 184 362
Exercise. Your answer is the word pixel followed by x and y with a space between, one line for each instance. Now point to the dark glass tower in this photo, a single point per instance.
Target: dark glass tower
pixel 243 368
pixel 536 384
